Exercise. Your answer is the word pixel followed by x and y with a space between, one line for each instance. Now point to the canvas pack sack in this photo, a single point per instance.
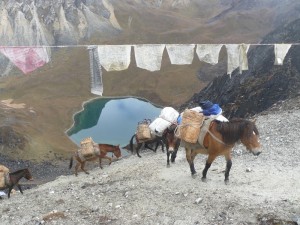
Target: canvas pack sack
pixel 189 129
pixel 143 131
pixel 87 147
pixel 3 173
pixel 158 126
pixel 169 114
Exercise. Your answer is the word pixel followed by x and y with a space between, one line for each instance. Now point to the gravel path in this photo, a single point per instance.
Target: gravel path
pixel 263 189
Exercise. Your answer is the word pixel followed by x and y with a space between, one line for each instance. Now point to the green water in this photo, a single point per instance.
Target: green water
pixel 111 121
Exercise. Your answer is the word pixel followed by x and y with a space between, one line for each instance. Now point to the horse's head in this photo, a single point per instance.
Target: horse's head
pixel 250 138
pixel 27 174
pixel 171 141
pixel 117 151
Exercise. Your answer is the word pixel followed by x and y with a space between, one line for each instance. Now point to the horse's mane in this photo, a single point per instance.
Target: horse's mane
pixel 233 130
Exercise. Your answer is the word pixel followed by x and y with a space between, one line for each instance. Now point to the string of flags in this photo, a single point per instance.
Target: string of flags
pixel 147 56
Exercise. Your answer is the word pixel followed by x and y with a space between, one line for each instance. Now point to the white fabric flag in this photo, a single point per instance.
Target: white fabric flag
pixel 237 57
pixel 180 54
pixel 114 57
pixel 209 53
pixel 243 60
pixel 233 59
pixel 96 71
pixel 149 56
pixel 280 52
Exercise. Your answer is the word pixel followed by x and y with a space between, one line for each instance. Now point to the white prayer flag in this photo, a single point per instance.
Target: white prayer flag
pixel 243 60
pixel 149 56
pixel 233 60
pixel 181 54
pixel 280 52
pixel 209 53
pixel 114 57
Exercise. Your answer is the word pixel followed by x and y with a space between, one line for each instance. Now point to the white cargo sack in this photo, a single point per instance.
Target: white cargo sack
pixel 158 126
pixel 169 114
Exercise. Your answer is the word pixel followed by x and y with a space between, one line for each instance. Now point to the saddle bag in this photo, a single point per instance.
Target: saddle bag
pixel 3 173
pixel 87 147
pixel 143 131
pixel 189 129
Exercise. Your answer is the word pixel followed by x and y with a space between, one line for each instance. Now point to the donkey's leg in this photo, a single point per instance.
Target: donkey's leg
pixel 228 167
pixel 208 163
pixel 188 153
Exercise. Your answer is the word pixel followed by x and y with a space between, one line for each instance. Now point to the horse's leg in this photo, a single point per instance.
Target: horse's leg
pixel 148 146
pixel 139 145
pixel 188 153
pixel 208 163
pixel 9 190
pixel 228 167
pixel 162 145
pixel 174 154
pixel 77 167
pixel 82 167
pixel 168 158
pixel 19 186
pixel 100 161
pixel 107 157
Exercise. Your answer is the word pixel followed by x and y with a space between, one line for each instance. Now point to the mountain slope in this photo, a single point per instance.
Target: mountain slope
pixel 262 189
pixel 263 84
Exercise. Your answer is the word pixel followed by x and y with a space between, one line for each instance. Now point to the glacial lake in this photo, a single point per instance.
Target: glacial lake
pixel 111 120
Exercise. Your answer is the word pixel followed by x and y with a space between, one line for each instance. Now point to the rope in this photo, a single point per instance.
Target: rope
pixel 93 45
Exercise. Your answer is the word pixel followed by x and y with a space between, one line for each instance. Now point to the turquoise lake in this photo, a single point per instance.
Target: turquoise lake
pixel 111 121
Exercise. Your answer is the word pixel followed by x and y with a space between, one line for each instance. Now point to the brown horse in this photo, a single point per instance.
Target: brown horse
pixel 155 140
pixel 172 143
pixel 100 153
pixel 220 139
pixel 13 179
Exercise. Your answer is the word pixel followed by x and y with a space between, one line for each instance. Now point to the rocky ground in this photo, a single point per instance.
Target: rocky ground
pixel 263 189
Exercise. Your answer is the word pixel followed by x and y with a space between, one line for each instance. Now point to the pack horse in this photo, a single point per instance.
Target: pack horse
pixel 219 140
pixel 91 151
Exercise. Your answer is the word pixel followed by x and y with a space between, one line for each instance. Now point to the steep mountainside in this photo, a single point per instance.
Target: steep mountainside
pixel 264 84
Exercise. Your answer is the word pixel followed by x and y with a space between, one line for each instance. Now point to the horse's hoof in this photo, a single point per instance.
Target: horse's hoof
pixel 194 175
pixel 168 166
pixel 226 182
pixel 203 179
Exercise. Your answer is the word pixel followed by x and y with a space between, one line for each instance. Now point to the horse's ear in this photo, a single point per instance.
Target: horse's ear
pixel 254 120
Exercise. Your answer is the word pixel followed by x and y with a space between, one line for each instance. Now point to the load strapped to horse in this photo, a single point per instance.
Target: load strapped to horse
pixel 159 132
pixel 4 178
pixel 204 130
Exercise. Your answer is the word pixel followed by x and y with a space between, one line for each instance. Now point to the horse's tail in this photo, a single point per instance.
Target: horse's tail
pixel 71 162
pixel 131 143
